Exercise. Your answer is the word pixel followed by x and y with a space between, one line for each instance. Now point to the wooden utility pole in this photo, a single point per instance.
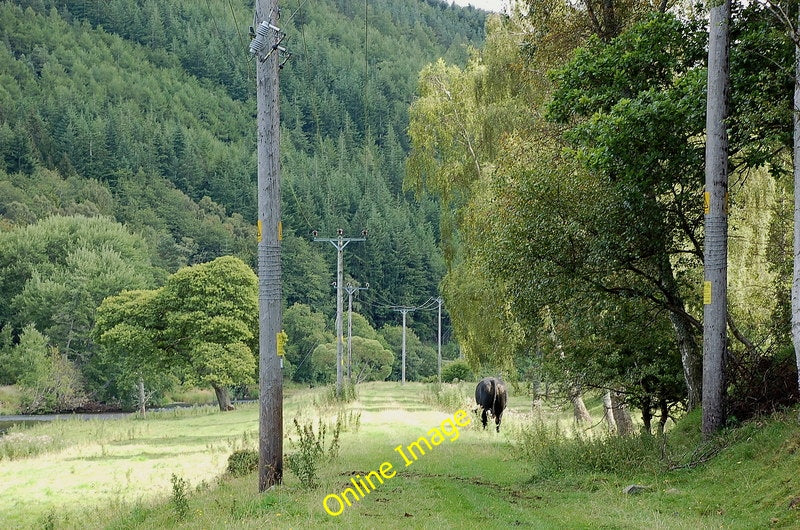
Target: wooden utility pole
pixel 265 43
pixel 404 311
pixel 439 339
pixel 715 258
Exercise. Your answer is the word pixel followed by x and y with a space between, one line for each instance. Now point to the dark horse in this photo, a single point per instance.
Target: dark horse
pixel 491 396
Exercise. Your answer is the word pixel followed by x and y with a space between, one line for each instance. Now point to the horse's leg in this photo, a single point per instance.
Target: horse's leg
pixel 483 418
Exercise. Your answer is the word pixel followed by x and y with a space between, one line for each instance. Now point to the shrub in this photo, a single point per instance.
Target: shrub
pixel 457 370
pixel 57 388
pixel 242 462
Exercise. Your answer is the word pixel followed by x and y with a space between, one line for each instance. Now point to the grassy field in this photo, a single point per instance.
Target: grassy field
pixel 117 474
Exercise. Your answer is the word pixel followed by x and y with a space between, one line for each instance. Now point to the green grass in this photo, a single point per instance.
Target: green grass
pixel 120 475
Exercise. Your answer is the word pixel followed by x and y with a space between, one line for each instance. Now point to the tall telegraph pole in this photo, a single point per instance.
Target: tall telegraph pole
pixel 715 255
pixel 266 48
pixel 439 338
pixel 404 311
pixel 339 242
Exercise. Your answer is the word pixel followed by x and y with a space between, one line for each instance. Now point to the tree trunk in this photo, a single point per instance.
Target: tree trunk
pixel 536 385
pixel 647 415
pixel 715 294
pixel 579 407
pixel 691 361
pixel 142 397
pixel 223 398
pixel 662 422
pixel 796 242
pixel 685 329
pixel 608 412
pixel 622 416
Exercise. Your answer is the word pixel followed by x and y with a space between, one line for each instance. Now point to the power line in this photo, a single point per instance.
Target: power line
pixel 366 93
pixel 236 25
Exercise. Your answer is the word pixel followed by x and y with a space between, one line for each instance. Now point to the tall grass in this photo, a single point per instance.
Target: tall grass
pixel 447 397
pixel 553 451
pixel 16 445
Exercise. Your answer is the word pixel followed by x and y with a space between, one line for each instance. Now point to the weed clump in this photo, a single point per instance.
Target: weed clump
pixel 312 451
pixel 16 445
pixel 444 396
pixel 180 496
pixel 348 394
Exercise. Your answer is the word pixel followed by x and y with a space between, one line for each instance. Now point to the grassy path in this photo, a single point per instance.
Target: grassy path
pixel 472 481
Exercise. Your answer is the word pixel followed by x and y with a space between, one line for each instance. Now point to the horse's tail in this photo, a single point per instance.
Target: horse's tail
pixel 494 392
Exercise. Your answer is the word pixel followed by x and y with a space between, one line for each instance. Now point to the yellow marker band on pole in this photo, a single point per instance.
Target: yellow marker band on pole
pixel 280 230
pixel 260 228
pixel 706 293
pixel 706 202
pixel 281 339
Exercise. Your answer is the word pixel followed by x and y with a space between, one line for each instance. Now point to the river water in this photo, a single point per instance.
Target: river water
pixel 6 422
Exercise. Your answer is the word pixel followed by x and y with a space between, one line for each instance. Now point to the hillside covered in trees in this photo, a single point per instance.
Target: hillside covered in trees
pixel 127 151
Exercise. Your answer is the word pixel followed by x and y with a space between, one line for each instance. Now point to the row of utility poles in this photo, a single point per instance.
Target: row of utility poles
pixel 404 311
pixel 340 242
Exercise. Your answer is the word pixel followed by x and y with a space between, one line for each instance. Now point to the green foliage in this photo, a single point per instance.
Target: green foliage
pixel 459 370
pixel 306 330
pixel 57 387
pixel 26 362
pixel 203 323
pixel 311 451
pixel 57 271
pixel 371 361
pixel 242 462
pixel 421 360
pixel 137 111
pixel 47 380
